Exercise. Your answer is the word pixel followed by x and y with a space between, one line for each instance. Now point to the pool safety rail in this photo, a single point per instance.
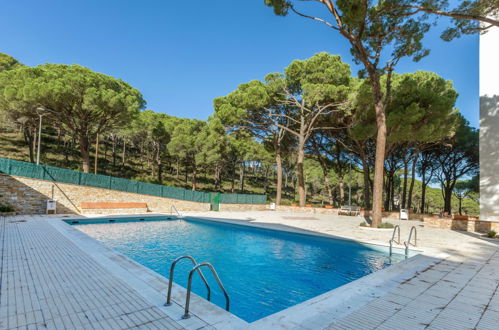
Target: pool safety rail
pixel 408 242
pixel 172 272
pixel 392 240
pixel 197 268
pixel 56 174
pixel 396 230
pixel 173 208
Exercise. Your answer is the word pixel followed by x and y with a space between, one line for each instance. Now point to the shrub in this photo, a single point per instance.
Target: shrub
pixel 6 208
pixel 385 225
pixel 363 224
pixel 491 234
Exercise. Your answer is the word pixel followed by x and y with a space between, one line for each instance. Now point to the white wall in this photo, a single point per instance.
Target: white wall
pixel 489 125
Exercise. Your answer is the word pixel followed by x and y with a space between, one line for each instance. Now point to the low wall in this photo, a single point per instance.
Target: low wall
pixel 243 207
pixel 463 225
pixel 297 209
pixel 29 196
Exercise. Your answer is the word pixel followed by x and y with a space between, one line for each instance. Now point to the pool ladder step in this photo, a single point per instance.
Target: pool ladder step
pixel 197 268
pixel 396 230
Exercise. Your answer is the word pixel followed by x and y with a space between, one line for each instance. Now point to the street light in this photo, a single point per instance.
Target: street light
pixel 40 111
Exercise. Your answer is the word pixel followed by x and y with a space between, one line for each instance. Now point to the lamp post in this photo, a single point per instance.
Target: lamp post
pixel 41 111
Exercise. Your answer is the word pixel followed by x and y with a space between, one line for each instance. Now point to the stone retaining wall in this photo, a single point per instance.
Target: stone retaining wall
pixel 464 225
pixel 29 196
pixel 297 209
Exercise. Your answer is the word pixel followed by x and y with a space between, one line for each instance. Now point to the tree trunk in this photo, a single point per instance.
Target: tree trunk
pixel 388 184
pixel 341 186
pixel 325 173
pixel 106 145
pixel 380 159
pixel 367 183
pixel 28 138
pixel 160 165
pixel 413 179
pixel 233 179
pixel 178 168
pixel 299 169
pixel 423 196
pixel 84 151
pixel 392 192
pixel 460 206
pixel 194 176
pixel 278 162
pixel 123 160
pixel 404 186
pixel 96 160
pixel 448 200
pixel 114 150
pixel 241 177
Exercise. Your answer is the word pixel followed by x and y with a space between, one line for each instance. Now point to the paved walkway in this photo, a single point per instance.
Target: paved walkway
pixel 455 293
pixel 48 282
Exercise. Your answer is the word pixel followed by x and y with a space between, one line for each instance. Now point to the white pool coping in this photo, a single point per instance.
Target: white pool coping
pixel 315 313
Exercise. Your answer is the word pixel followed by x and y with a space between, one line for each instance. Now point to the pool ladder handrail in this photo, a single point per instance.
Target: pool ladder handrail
pixel 392 240
pixel 408 242
pixel 170 281
pixel 189 286
pixel 176 211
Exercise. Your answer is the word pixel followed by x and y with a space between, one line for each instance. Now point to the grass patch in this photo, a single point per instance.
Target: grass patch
pixel 386 225
pixel 363 224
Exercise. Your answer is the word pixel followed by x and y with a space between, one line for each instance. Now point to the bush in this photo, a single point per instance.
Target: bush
pixel 6 208
pixel 385 225
pixel 363 224
pixel 491 234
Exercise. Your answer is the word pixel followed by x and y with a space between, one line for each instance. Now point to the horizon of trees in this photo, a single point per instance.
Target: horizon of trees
pixel 380 34
pixel 306 133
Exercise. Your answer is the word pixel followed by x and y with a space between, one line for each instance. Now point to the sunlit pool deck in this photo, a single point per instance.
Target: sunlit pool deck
pixel 54 276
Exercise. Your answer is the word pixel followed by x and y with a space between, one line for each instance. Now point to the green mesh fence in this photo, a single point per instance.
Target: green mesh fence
pixel 51 173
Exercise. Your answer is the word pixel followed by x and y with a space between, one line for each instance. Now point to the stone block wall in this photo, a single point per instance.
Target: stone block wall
pixel 463 225
pixel 29 196
pixel 313 210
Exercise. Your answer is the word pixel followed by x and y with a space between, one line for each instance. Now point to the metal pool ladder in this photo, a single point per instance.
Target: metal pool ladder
pixel 189 285
pixel 197 269
pixel 408 242
pixel 170 282
pixel 392 240
pixel 173 208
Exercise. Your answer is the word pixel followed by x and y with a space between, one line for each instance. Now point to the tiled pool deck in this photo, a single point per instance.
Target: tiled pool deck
pixel 55 277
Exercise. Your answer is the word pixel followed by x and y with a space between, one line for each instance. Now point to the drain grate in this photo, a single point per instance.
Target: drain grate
pixel 15 221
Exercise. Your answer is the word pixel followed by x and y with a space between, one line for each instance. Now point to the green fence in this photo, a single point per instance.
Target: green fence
pixel 50 173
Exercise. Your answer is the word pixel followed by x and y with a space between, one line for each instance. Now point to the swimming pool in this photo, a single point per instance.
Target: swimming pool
pixel 264 271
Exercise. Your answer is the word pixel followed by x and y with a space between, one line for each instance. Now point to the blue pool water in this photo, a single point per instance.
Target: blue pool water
pixel 264 271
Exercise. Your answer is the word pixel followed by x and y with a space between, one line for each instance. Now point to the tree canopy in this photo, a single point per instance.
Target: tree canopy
pixel 84 101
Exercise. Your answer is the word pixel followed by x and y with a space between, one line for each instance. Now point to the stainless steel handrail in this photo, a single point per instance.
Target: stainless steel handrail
pixel 174 208
pixel 392 240
pixel 189 285
pixel 170 281
pixel 408 242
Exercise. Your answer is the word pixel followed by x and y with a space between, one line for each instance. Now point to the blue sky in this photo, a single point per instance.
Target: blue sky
pixel 182 54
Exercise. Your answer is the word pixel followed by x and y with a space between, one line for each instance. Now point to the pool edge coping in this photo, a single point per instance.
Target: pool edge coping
pixel 342 301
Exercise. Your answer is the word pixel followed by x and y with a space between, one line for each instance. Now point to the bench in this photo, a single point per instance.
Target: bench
pixel 349 210
pixel 113 207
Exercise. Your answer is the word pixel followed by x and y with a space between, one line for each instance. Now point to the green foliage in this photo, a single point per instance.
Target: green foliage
pixel 491 234
pixel 83 101
pixel 363 224
pixel 385 225
pixel 421 109
pixel 8 63
pixel 6 208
